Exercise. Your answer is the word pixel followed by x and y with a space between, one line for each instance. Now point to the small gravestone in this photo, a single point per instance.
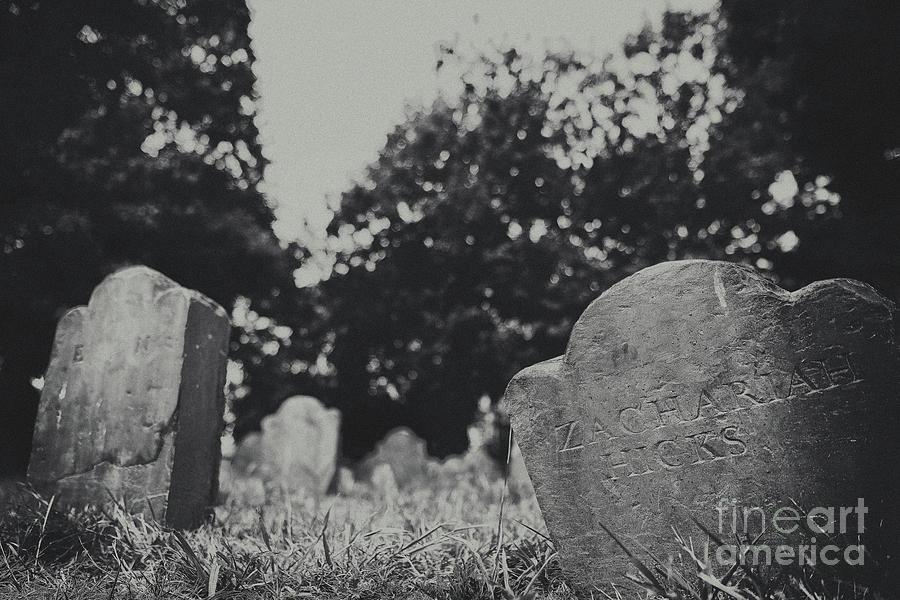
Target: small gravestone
pixel 133 403
pixel 404 453
pixel 297 449
pixel 301 440
pixel 698 390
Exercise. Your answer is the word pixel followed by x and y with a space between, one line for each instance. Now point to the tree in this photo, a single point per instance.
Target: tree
pixel 491 220
pixel 822 69
pixel 127 137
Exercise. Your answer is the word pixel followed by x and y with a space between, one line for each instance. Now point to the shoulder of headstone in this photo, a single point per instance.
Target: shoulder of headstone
pixel 76 312
pixel 533 384
pixel 854 289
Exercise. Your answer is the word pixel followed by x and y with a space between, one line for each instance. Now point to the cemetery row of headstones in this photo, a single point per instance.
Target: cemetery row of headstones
pixel 132 408
pixel 689 393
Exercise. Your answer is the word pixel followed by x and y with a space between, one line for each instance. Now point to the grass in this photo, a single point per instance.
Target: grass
pixel 443 543
pixel 458 540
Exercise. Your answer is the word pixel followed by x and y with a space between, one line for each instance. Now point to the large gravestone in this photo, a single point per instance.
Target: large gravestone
pixel 698 390
pixel 132 403
pixel 297 448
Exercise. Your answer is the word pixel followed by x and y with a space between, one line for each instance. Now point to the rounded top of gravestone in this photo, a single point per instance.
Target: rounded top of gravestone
pixel 302 409
pixel 405 453
pixel 402 442
pixel 680 291
pixel 141 276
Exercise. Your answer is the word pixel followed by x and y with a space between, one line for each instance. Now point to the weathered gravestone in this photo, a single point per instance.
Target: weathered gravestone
pixel 133 400
pixel 697 389
pixel 296 449
pixel 406 455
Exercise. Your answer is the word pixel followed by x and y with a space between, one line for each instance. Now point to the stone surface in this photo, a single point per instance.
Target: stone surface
pixel 694 385
pixel 404 453
pixel 297 448
pixel 517 480
pixel 132 403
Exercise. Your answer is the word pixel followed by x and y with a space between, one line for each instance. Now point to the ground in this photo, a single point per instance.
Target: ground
pixel 461 540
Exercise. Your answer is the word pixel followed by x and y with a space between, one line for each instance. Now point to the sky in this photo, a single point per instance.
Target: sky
pixel 334 77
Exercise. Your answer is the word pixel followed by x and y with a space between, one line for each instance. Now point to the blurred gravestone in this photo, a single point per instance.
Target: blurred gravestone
pixel 344 482
pixel 406 455
pixel 296 450
pixel 693 387
pixel 383 482
pixel 248 454
pixel 132 403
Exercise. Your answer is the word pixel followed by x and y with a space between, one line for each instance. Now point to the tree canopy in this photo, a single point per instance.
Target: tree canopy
pixel 823 71
pixel 492 218
pixel 760 133
pixel 127 137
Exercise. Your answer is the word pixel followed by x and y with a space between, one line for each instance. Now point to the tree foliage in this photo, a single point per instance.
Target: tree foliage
pixel 127 137
pixel 491 219
pixel 823 72
pixel 763 135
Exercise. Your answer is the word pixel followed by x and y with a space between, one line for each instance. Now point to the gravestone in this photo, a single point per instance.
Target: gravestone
pixel 133 403
pixel 296 450
pixel 694 389
pixel 406 455
pixel 301 442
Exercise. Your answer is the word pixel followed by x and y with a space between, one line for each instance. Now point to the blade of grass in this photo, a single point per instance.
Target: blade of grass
pixel 509 442
pixel 535 531
pixel 537 573
pixel 641 567
pixel 753 578
pixel 192 556
pixel 37 553
pixel 421 537
pixel 325 538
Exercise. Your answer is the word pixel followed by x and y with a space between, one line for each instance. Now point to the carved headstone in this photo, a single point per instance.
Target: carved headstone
pixel 296 449
pixel 133 400
pixel 695 388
